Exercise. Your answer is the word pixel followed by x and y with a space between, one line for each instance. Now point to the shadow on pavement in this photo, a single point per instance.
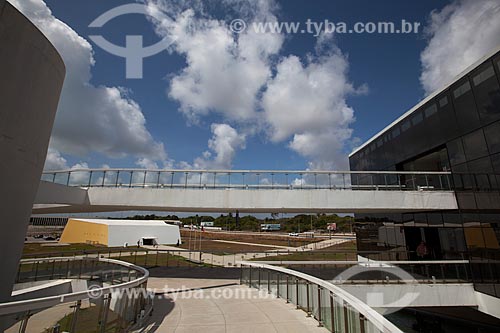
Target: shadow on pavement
pixel 162 307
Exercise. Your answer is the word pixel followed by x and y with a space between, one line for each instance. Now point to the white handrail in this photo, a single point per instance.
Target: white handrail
pixel 305 172
pixel 379 321
pixel 368 263
pixel 47 302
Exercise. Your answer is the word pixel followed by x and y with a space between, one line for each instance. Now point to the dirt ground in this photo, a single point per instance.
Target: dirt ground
pixel 260 238
pixel 344 251
pixel 208 245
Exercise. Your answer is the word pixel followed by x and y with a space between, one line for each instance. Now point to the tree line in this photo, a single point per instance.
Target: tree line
pixel 297 223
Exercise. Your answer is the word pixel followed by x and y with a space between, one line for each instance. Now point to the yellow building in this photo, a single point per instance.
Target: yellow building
pixel 120 232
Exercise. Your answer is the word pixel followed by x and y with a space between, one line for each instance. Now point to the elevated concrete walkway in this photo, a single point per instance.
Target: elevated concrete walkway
pixel 67 199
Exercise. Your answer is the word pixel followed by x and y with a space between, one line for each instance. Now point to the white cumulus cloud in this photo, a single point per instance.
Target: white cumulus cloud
pixel 224 71
pixel 241 78
pixel 307 103
pixel 459 34
pixel 90 118
pixel 54 160
pixel 223 145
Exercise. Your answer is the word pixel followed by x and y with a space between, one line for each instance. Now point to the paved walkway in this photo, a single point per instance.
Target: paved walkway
pixel 237 309
pixel 252 244
pixel 231 260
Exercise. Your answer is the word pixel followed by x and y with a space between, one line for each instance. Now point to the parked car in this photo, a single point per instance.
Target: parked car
pixel 293 234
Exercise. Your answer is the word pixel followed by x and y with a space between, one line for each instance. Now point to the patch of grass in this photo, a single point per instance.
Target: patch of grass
pixel 88 321
pixel 264 238
pixel 222 247
pixel 41 249
pixel 314 256
pixel 350 245
pixel 160 259
pixel 344 251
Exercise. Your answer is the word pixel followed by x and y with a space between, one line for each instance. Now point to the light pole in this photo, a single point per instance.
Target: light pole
pixel 190 233
pixel 200 235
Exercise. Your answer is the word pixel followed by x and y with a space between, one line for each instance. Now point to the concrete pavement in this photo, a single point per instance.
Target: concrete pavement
pixel 237 309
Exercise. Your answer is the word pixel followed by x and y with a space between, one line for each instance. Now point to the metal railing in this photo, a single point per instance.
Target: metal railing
pixel 317 256
pixel 252 179
pixel 331 306
pixel 476 181
pixel 381 272
pixel 116 297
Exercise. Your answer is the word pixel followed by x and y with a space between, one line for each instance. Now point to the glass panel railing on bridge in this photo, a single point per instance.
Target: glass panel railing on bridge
pixel 259 180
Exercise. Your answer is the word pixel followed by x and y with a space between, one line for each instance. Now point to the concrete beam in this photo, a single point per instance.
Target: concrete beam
pixel 56 194
pixel 256 201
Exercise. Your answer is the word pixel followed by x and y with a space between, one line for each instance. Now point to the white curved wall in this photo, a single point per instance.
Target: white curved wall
pixel 31 78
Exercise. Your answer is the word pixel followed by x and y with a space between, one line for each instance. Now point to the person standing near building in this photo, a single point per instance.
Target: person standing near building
pixel 422 250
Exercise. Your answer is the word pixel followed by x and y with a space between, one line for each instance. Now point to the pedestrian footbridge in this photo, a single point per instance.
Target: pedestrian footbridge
pixel 98 190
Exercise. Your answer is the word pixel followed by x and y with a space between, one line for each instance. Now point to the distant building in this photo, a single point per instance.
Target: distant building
pixel 207 224
pixel 457 129
pixel 270 227
pixel 120 232
pixel 174 222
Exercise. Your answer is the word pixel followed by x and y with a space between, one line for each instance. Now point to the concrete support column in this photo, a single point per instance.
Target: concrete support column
pixel 31 78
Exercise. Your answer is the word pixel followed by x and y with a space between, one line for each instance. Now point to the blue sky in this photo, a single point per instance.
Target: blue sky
pixel 374 78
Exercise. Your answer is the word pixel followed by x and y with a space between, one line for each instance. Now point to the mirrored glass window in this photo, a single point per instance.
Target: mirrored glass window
pixel 456 151
pixel 475 145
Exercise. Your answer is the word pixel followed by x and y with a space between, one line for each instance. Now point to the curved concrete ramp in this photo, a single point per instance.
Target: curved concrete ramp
pixel 248 310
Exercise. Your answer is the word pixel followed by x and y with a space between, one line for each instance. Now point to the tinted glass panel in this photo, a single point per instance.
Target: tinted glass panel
pixel 420 219
pixel 406 125
pixel 487 94
pixel 452 219
pixel 435 218
pixel 475 145
pixel 448 126
pixel 492 134
pixel 461 177
pixel 466 200
pixel 462 89
pixel 483 76
pixel 482 165
pixel 495 163
pixel 417 119
pixel 443 101
pixel 430 110
pixel 482 169
pixel 456 151
pixel 465 107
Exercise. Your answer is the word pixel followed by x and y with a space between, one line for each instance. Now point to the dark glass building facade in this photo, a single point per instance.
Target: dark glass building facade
pixel 456 129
